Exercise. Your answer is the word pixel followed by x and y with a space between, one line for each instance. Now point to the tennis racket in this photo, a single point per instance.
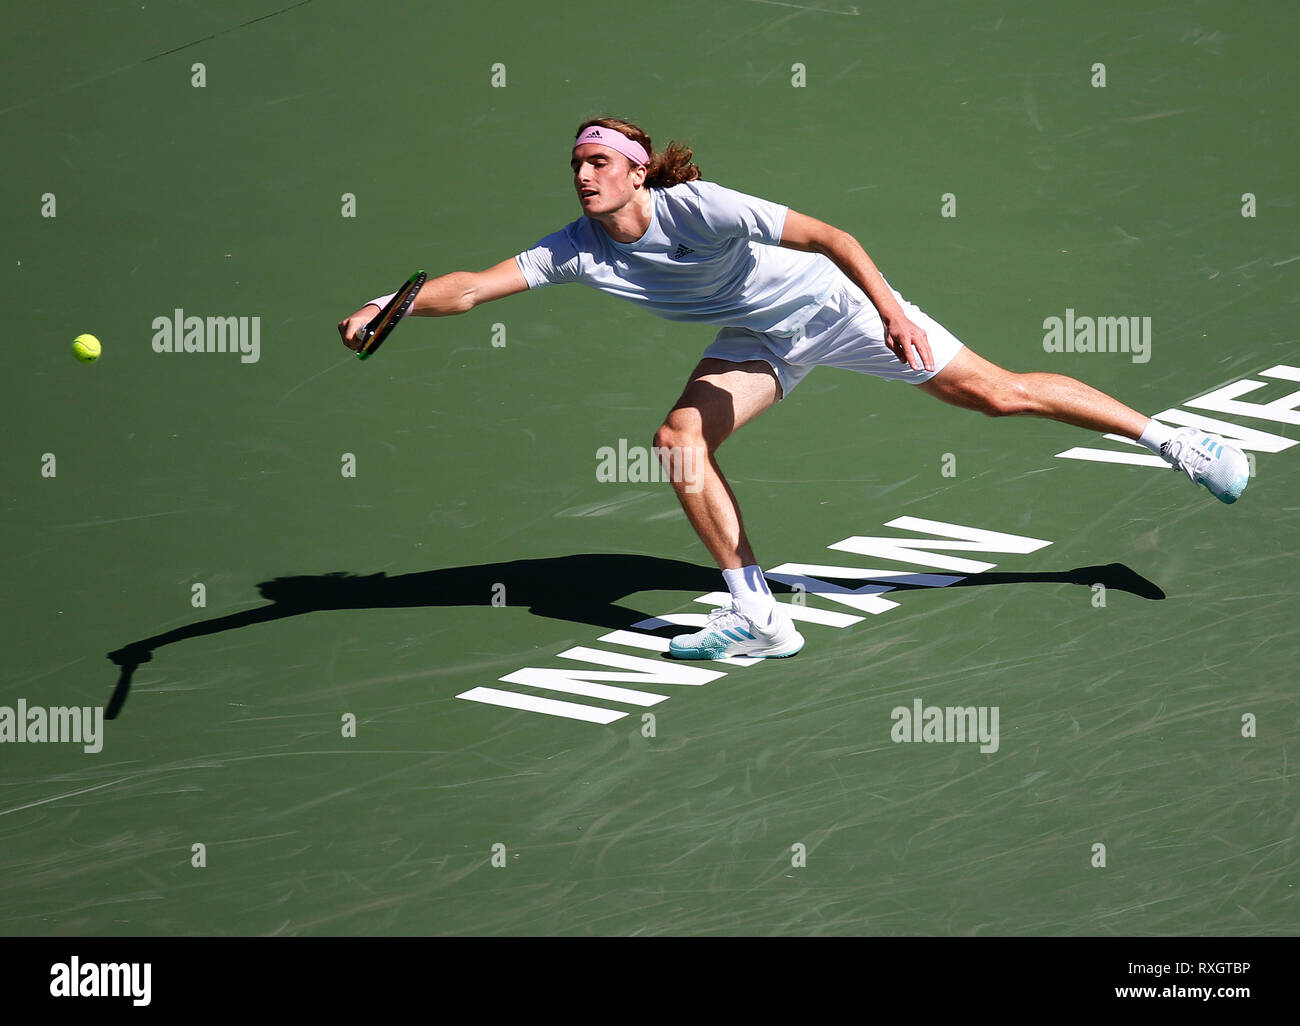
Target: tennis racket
pixel 372 334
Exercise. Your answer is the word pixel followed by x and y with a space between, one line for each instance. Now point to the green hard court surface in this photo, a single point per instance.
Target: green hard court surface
pixel 1161 724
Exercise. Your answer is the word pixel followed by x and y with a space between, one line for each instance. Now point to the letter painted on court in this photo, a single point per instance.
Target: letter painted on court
pixel 914 550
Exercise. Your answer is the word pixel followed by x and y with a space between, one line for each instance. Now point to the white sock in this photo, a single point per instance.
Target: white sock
pixel 1154 435
pixel 750 593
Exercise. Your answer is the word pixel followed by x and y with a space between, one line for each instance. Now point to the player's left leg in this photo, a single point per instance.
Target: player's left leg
pixel 973 383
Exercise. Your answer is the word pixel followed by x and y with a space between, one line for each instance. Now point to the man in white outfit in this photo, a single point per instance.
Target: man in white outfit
pixel 790 293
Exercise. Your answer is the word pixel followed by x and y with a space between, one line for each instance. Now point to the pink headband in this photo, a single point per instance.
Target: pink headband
pixel 616 141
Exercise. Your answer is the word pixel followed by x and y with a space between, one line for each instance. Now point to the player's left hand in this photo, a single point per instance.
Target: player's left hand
pixel 908 342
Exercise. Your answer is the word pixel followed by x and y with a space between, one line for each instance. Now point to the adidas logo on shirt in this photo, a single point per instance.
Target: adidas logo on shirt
pixel 682 251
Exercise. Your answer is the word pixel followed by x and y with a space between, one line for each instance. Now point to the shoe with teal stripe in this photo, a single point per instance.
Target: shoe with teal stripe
pixel 729 632
pixel 1208 460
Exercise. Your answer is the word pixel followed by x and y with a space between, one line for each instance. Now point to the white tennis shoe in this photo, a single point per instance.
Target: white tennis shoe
pixel 1208 460
pixel 729 632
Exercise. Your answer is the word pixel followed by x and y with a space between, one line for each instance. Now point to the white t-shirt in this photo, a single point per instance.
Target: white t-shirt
pixel 710 255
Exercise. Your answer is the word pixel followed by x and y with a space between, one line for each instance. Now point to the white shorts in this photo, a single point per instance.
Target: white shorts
pixel 846 332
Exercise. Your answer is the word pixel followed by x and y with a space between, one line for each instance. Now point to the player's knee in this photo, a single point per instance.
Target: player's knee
pixel 665 437
pixel 995 404
pixel 1005 397
pixel 683 429
pixel 1017 398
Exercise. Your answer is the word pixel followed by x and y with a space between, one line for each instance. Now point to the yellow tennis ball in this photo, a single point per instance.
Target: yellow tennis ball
pixel 86 348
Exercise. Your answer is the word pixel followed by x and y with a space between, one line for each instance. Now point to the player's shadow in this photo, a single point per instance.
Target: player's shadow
pixel 581 588
pixel 1114 576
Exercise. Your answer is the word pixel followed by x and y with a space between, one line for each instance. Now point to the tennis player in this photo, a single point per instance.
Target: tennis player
pixel 790 293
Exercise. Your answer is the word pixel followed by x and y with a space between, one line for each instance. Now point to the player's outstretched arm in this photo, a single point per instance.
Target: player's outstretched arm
pixel 906 339
pixel 454 293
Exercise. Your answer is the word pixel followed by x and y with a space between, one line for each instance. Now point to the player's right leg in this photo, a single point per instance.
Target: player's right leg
pixel 719 398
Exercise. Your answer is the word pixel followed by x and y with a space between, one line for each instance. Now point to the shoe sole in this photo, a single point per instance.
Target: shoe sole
pixel 773 655
pixel 701 654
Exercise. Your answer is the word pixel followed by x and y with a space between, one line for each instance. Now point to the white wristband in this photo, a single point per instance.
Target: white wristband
pixel 382 301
